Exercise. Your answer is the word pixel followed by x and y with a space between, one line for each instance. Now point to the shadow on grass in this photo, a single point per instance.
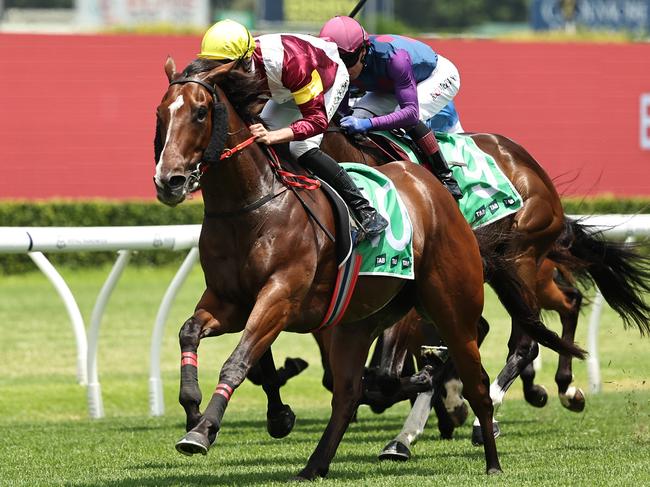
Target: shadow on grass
pixel 285 469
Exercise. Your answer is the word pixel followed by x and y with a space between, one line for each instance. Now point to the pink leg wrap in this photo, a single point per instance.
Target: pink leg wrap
pixel 225 390
pixel 190 358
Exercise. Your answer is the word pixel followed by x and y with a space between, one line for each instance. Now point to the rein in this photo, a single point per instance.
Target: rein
pixel 288 179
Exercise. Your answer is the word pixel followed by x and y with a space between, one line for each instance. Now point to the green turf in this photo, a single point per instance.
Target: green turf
pixel 46 437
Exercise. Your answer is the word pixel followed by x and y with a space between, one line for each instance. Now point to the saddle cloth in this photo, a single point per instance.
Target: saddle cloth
pixel 488 195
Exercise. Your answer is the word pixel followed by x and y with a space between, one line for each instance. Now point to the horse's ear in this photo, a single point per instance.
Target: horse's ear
pixel 214 75
pixel 170 68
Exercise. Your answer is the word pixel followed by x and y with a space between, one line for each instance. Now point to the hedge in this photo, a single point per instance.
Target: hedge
pixel 94 213
pixel 111 213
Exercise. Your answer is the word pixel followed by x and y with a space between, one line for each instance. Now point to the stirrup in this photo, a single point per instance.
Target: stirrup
pixel 452 186
pixel 374 224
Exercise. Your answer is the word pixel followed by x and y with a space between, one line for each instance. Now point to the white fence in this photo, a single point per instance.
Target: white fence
pixel 35 240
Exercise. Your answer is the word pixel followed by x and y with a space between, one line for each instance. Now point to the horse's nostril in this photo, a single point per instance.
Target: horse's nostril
pixel 176 182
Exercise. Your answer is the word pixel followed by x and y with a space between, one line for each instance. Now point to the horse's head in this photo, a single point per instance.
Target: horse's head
pixel 191 128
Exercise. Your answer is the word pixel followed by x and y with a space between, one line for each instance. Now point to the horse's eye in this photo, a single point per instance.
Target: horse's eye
pixel 201 113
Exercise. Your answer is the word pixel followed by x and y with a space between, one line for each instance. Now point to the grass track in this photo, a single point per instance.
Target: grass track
pixel 46 438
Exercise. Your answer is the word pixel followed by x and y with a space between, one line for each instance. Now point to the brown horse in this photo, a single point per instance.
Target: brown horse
pixel 269 267
pixel 538 228
pixel 528 235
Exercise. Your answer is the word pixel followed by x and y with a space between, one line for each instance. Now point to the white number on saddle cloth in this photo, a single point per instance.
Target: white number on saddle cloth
pixel 397 244
pixel 481 172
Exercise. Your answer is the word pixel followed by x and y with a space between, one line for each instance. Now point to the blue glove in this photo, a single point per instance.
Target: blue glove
pixel 354 125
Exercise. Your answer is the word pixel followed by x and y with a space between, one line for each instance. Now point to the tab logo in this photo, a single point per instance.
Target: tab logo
pixel 380 260
pixel 394 261
pixel 493 207
pixel 480 213
pixel 406 263
pixel 508 201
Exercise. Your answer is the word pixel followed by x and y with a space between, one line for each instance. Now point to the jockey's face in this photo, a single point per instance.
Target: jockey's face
pixel 355 70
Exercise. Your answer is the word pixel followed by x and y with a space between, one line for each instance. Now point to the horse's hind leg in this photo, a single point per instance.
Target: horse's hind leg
pixel 457 312
pixel 476 385
pixel 445 398
pixel 555 292
pixel 566 301
pixel 279 416
pixel 349 350
pixel 571 397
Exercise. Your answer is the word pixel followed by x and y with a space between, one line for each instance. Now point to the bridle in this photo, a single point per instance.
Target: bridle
pixel 215 152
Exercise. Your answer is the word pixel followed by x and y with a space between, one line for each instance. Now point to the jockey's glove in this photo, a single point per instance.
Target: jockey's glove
pixel 354 125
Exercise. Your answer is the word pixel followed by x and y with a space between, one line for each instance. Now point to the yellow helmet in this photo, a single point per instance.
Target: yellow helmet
pixel 227 39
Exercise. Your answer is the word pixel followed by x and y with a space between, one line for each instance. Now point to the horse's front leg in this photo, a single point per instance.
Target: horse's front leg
pixel 211 317
pixel 349 351
pixel 268 318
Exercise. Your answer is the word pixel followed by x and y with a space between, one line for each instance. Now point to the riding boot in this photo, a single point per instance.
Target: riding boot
pixel 427 142
pixel 326 168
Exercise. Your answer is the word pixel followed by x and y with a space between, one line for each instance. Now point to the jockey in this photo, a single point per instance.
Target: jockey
pixel 408 86
pixel 307 81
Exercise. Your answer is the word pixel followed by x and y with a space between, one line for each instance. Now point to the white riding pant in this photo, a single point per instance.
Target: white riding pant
pixel 434 93
pixel 279 115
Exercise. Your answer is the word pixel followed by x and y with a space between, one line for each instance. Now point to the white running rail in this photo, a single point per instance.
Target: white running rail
pixel 35 240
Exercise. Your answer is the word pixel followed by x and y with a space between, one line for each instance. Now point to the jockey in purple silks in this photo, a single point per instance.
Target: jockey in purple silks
pixel 407 85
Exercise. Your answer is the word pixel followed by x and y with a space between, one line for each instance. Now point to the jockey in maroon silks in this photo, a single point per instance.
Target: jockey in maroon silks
pixel 307 82
pixel 407 85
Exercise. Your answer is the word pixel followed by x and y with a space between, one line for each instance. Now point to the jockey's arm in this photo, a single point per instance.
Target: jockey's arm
pixel 314 122
pixel 400 71
pixel 267 137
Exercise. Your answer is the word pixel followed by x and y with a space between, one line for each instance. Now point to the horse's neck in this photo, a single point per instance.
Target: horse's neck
pixel 239 180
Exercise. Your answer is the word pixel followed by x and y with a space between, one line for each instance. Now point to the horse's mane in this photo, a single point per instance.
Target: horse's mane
pixel 245 90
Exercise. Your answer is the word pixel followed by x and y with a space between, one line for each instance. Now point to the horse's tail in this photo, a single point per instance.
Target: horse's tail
pixel 618 269
pixel 515 296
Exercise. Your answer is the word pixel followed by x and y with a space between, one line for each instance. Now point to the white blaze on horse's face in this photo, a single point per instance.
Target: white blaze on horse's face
pixel 173 108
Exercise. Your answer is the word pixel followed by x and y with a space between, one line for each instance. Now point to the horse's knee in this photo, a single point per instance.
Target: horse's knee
pixel 233 372
pixel 189 334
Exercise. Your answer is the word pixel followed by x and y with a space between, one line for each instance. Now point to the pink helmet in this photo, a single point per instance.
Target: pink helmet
pixel 346 32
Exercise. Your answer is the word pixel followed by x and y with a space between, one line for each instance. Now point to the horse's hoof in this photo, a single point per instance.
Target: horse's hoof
pixel 192 443
pixel 494 471
pixel 459 415
pixel 377 409
pixel 307 474
pixel 477 434
pixel 298 478
pixel 396 451
pixel 573 399
pixel 446 431
pixel 281 424
pixel 537 396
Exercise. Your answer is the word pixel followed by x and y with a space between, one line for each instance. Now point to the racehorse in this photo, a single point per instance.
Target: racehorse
pixel 537 229
pixel 270 267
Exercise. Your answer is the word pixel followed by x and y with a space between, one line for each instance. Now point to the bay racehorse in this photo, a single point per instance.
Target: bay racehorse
pixel 269 267
pixel 538 230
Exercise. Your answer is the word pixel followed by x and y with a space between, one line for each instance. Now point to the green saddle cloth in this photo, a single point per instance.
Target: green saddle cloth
pixel 488 195
pixel 391 253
